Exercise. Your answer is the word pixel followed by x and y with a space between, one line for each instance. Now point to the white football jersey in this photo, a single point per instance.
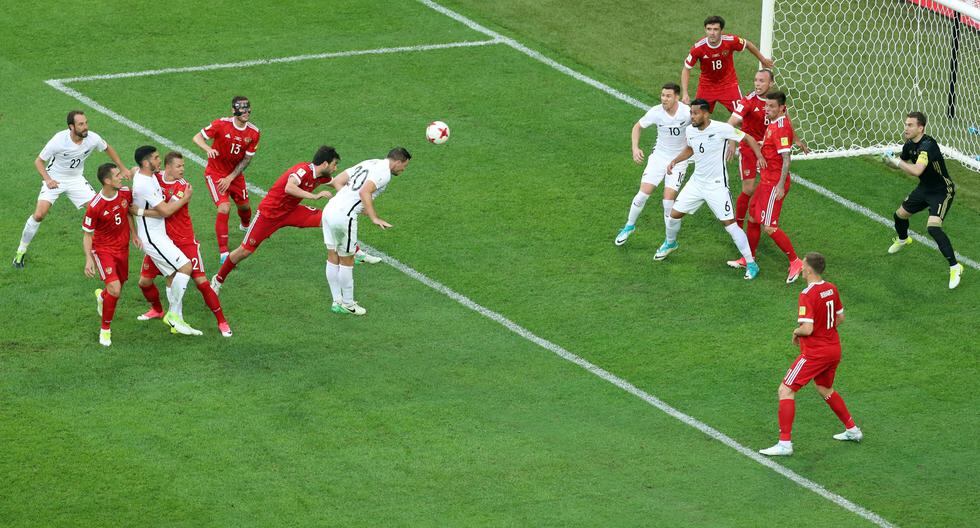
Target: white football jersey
pixel 148 194
pixel 347 200
pixel 66 160
pixel 710 146
pixel 670 128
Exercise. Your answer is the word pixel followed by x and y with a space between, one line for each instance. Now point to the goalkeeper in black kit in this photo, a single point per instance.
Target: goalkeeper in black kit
pixel 921 157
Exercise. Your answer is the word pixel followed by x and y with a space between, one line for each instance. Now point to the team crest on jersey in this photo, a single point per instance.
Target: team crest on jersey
pixel 108 271
pixel 180 194
pixel 124 204
pixel 248 140
pixel 724 53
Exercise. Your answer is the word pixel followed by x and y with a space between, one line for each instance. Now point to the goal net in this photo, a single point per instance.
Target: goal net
pixel 854 68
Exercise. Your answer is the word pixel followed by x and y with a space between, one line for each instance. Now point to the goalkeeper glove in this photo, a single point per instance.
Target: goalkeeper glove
pixel 890 160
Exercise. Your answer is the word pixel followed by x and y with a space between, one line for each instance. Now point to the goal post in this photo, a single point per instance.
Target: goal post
pixel 854 68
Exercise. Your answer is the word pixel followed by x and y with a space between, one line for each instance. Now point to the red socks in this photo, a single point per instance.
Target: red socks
pixel 245 215
pixel 782 240
pixel 787 411
pixel 221 230
pixel 753 231
pixel 741 208
pixel 836 404
pixel 108 309
pixel 225 270
pixel 152 296
pixel 211 299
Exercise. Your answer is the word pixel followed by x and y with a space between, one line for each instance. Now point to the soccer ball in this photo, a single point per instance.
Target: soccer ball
pixel 437 132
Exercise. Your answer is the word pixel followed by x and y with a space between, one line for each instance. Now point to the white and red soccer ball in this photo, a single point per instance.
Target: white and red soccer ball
pixel 437 132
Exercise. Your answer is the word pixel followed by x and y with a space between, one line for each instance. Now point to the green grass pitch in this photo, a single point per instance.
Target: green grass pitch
pixel 425 413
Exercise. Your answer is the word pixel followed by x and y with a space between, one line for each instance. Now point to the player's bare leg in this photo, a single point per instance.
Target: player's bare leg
pixel 340 277
pixel 30 229
pixel 227 265
pixel 221 229
pixel 787 412
pixel 851 431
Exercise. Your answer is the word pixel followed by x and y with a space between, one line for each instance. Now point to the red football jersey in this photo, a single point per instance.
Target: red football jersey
pixel 278 202
pixel 777 141
pixel 232 144
pixel 820 304
pixel 752 109
pixel 108 219
pixel 717 64
pixel 179 226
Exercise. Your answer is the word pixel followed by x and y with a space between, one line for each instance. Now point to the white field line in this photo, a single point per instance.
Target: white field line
pixel 279 60
pixel 568 356
pixel 643 106
pixel 523 332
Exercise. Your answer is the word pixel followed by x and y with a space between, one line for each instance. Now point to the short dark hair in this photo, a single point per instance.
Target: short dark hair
pixel 105 171
pixel 772 76
pixel 702 104
pixel 672 87
pixel 780 97
pixel 171 156
pixel 238 99
pixel 144 152
pixel 918 116
pixel 325 154
pixel 816 261
pixel 399 154
pixel 72 114
pixel 715 20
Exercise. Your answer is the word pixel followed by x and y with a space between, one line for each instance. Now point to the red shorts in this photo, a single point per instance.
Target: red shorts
pixel 766 206
pixel 820 370
pixel 237 190
pixel 191 250
pixel 727 96
pixel 747 162
pixel 262 227
pixel 113 265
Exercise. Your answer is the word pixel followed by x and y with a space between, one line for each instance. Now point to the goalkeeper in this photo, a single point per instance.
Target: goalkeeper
pixel 921 157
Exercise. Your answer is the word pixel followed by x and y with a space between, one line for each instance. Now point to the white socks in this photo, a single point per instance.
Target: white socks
pixel 333 279
pixel 346 276
pixel 30 229
pixel 674 227
pixel 181 307
pixel 639 202
pixel 668 205
pixel 175 294
pixel 741 241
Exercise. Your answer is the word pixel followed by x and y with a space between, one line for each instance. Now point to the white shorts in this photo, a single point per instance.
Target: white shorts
pixel 718 198
pixel 340 233
pixel 79 192
pixel 167 257
pixel 656 171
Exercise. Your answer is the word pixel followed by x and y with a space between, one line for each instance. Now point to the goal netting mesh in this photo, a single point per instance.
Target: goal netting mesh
pixel 853 69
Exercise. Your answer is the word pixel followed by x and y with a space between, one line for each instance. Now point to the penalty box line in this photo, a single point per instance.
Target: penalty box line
pixel 60 85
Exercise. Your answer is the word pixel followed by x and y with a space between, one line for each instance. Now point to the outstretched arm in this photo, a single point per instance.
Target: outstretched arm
pixel 111 152
pixel 763 60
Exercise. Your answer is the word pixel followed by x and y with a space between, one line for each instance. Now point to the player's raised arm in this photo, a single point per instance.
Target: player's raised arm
pixel 685 80
pixel 766 62
pixel 111 152
pixel 367 200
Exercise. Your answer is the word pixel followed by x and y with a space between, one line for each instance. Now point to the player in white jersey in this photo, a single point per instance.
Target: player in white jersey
pixel 152 232
pixel 707 142
pixel 60 165
pixel 362 183
pixel 672 118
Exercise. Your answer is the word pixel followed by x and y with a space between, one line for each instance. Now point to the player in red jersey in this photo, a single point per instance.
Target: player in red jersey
pixel 176 192
pixel 281 206
pixel 715 52
pixel 107 232
pixel 820 313
pixel 775 181
pixel 234 141
pixel 750 115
